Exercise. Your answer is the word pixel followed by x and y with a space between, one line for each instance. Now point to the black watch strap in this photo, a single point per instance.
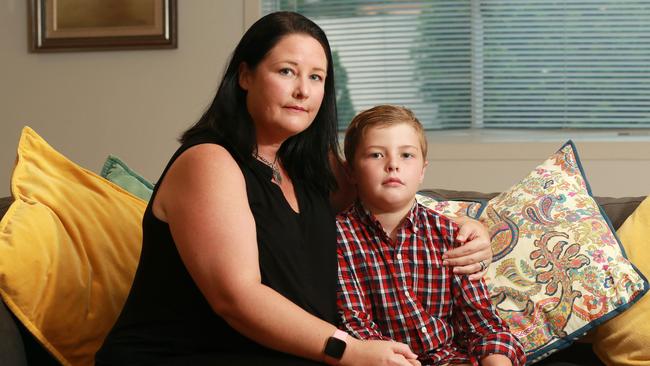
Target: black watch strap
pixel 335 346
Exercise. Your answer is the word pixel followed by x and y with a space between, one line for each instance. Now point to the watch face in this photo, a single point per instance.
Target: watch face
pixel 335 348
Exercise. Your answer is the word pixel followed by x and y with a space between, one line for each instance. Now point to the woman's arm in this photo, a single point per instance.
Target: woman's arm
pixel 203 199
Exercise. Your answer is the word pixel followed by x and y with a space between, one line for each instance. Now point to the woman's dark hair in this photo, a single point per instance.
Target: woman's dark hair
pixel 305 156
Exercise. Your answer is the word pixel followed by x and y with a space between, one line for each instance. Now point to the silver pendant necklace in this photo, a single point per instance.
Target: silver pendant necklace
pixel 274 168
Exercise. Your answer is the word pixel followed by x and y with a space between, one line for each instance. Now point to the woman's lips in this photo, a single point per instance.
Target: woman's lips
pixel 296 108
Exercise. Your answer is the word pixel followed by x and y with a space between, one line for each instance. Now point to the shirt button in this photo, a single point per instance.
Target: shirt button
pixel 423 329
pixel 399 257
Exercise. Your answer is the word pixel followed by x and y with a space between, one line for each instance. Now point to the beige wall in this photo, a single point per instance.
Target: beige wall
pixel 134 104
pixel 613 165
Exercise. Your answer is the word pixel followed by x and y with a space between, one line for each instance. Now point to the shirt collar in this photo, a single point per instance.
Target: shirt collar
pixel 368 219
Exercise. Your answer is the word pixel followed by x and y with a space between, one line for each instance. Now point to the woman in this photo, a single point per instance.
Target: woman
pixel 238 263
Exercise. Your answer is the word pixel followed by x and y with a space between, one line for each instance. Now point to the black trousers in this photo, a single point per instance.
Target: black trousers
pixel 238 360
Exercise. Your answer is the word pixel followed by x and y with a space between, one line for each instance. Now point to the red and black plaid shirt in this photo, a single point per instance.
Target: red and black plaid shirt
pixel 400 290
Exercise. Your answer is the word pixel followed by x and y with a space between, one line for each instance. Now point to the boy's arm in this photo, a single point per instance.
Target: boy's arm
pixel 495 360
pixel 353 309
pixel 484 331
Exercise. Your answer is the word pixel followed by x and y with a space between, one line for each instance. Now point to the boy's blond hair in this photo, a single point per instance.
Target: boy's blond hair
pixel 380 116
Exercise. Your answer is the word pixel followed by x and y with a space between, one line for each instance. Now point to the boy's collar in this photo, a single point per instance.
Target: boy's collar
pixel 369 219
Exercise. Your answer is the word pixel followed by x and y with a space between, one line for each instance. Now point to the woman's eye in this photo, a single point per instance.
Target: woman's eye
pixel 286 71
pixel 317 77
pixel 376 155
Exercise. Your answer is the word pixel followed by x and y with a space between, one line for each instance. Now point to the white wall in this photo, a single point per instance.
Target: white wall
pixel 134 104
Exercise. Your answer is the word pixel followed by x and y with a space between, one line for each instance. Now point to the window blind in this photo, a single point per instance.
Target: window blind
pixel 572 64
pixel 411 53
pixel 490 63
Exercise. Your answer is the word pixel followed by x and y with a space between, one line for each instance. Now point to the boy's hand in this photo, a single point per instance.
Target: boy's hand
pixel 475 254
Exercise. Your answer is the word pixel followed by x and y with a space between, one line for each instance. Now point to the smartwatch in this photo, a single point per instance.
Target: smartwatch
pixel 335 346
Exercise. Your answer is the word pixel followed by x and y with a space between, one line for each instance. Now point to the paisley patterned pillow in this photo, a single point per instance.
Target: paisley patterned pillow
pixel 559 269
pixel 452 208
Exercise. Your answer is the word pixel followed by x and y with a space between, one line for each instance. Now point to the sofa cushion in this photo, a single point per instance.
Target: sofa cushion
pixel 559 268
pixel 69 245
pixel 625 340
pixel 617 209
pixel 451 207
pixel 458 195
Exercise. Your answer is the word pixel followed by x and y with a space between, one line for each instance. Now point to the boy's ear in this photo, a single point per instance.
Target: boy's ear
pixel 424 170
pixel 244 75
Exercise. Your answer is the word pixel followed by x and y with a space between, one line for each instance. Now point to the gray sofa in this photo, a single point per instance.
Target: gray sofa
pixel 19 348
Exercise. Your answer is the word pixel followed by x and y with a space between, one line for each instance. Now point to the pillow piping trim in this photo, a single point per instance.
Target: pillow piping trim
pixel 562 343
pixel 565 342
pixel 602 212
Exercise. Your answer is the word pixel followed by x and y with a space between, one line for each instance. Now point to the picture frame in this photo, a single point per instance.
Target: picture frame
pixel 99 25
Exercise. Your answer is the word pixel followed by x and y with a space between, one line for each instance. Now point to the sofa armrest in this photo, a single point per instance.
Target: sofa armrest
pixel 12 351
pixel 5 202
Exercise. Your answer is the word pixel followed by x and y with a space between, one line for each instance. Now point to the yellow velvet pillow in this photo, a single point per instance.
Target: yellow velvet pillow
pixel 625 339
pixel 69 246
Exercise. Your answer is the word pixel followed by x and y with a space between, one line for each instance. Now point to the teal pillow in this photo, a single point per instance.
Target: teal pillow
pixel 116 171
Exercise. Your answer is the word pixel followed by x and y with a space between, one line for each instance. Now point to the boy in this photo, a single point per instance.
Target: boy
pixel 392 283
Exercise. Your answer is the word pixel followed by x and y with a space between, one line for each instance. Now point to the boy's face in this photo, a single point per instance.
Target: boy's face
pixel 388 167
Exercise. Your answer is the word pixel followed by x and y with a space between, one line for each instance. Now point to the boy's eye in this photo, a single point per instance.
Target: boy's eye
pixel 408 155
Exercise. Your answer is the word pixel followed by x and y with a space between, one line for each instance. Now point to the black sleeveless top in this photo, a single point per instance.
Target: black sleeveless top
pixel 165 314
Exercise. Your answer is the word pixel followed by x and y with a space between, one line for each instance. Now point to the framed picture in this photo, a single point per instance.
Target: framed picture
pixel 91 25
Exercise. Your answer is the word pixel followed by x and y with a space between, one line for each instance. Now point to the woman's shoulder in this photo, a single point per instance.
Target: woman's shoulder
pixel 204 149
pixel 205 159
pixel 192 176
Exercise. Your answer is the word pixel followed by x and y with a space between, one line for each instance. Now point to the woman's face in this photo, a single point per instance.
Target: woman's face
pixel 285 90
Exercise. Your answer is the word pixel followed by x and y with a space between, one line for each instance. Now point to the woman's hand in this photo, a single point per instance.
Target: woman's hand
pixel 475 254
pixel 378 353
